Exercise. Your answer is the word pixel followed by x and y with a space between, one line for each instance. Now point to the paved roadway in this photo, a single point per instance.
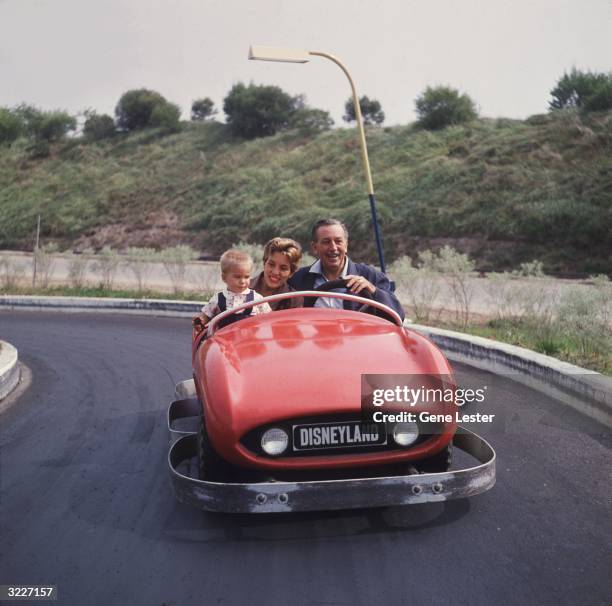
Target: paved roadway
pixel 86 502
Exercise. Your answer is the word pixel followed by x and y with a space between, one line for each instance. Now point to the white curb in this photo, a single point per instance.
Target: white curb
pixel 587 391
pixel 149 307
pixel 9 369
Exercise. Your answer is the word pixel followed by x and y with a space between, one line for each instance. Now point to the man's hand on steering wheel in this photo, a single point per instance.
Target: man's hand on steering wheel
pixel 356 284
pixel 360 286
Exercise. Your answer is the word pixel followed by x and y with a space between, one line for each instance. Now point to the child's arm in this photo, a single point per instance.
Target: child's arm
pixel 209 311
pixel 200 321
pixel 260 309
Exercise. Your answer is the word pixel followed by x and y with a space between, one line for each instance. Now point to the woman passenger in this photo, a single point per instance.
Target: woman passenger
pixel 281 260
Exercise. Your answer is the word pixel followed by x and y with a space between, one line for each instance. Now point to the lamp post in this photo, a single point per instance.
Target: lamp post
pixel 288 55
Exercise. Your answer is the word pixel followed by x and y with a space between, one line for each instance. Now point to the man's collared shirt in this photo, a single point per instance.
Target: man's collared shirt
pixel 317 268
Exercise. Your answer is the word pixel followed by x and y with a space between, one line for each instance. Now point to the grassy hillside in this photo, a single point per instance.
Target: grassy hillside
pixel 504 191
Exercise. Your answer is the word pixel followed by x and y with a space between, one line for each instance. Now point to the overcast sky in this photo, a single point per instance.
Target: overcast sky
pixel 507 55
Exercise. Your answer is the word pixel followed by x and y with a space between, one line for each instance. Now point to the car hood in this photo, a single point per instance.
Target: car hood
pixel 302 362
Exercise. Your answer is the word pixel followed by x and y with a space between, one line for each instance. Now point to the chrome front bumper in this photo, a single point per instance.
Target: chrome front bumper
pixel 273 497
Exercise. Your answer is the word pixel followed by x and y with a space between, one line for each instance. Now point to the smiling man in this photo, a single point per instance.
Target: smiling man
pixel 330 245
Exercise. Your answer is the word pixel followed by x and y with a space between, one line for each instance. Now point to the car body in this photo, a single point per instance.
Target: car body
pixel 303 366
pixel 301 371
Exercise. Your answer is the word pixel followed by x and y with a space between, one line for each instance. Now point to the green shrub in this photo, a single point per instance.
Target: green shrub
pixel 38 149
pixel 11 272
pixel 575 88
pixel 441 106
pixel 450 261
pixel 167 117
pixel 136 108
pixel 584 315
pixel 531 269
pixel 258 111
pixel 30 117
pixel 501 294
pixel 98 127
pixel 457 269
pixel 563 221
pixel 201 109
pixel 44 263
pixel 371 110
pixel 420 286
pixel 309 121
pixel 77 266
pixel 106 264
pixel 535 303
pixel 11 126
pixel 175 262
pixel 603 286
pixel 549 346
pixel 139 262
pixel 38 126
pixel 601 99
pixel 54 126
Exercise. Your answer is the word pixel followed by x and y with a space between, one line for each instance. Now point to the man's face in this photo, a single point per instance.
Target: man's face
pixel 331 247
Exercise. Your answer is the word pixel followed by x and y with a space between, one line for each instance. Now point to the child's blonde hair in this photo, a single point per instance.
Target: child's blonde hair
pixel 232 257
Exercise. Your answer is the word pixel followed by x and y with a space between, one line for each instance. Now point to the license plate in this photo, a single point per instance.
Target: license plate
pixel 313 436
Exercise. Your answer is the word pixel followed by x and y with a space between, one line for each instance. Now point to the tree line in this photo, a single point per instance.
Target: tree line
pixel 253 111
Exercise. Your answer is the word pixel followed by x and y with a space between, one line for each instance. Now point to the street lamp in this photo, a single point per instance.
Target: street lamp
pixel 289 55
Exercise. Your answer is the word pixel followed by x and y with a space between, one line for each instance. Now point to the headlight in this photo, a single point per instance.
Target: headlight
pixel 274 441
pixel 405 433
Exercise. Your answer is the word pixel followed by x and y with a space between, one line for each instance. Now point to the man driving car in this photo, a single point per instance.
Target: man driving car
pixel 330 245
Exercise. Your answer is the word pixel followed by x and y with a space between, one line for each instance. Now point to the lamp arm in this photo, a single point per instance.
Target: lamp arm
pixel 362 139
pixel 364 154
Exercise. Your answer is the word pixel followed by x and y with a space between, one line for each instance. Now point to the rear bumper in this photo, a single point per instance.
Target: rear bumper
pixel 270 497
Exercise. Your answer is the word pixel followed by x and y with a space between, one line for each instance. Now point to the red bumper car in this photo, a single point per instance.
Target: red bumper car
pixel 280 422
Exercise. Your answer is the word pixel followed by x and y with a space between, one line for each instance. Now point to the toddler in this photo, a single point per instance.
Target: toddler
pixel 236 267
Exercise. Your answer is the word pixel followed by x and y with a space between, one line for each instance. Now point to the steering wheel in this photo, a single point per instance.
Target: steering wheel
pixel 341 283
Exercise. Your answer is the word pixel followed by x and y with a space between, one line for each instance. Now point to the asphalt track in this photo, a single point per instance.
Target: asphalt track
pixel 86 503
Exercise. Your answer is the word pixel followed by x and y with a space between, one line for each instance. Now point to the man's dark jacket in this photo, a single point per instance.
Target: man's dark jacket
pixel 304 280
